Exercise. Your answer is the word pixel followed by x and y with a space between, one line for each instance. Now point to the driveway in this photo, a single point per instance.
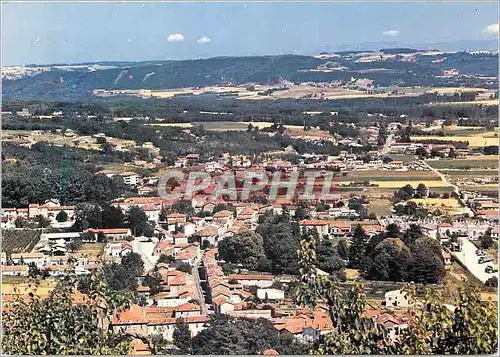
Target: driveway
pixel 145 249
pixel 469 258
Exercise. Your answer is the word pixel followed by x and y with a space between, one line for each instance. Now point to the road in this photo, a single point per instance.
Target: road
pixel 469 258
pixel 199 289
pixel 387 145
pixel 443 177
pixel 456 189
pixel 145 249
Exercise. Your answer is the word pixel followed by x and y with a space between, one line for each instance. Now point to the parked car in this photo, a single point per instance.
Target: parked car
pixel 485 259
pixel 491 269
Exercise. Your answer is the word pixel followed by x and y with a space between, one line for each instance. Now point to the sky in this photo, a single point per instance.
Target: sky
pixel 44 33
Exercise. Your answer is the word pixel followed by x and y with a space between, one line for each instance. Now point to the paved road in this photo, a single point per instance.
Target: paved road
pixel 387 145
pixel 145 249
pixel 199 289
pixel 469 258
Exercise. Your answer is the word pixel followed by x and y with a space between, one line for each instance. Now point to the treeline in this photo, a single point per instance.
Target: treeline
pixel 397 256
pixel 46 171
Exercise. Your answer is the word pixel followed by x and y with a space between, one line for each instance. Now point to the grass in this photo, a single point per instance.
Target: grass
pixel 376 175
pixel 448 202
pixel 472 163
pixel 380 207
pixel 402 157
pixel 395 184
pixel 456 276
pixel 474 141
pixel 475 173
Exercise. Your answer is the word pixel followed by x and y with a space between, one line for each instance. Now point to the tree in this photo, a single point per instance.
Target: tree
pixel 470 328
pixel 165 259
pixel 182 336
pixel 134 263
pixel 343 248
pixel 422 191
pixel 426 267
pixel 391 261
pixel 413 233
pixel 357 248
pixel 422 152
pixel 57 326
pixel 245 248
pixel 87 216
pixel 281 237
pixel 118 278
pixel 41 221
pixel 329 260
pixel 485 240
pixel 112 217
pixel 75 244
pixel 405 193
pixel 62 216
pixel 154 281
pixel 33 270
pixel 137 220
pixel 229 335
pixel 392 231
pixel 185 268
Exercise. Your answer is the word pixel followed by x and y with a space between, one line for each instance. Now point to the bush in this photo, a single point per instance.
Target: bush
pixel 492 282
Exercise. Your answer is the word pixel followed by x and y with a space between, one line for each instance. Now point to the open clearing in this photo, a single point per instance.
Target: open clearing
pixel 398 184
pixel 474 141
pixel 477 162
pixel 377 175
pixel 476 102
pixel 228 125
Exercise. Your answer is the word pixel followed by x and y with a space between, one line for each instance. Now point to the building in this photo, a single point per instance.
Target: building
pixel 130 178
pixel 396 298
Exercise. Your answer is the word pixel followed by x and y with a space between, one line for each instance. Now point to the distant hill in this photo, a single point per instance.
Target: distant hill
pixel 77 81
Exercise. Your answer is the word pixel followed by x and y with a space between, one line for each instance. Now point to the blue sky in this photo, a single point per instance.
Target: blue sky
pixel 78 32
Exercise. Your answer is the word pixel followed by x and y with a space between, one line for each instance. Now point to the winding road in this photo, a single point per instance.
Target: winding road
pixel 199 289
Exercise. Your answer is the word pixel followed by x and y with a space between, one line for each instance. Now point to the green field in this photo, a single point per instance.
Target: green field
pixel 464 164
pixel 470 173
pixel 377 175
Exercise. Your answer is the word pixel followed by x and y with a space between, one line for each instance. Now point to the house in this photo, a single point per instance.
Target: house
pixel 259 280
pixel 113 234
pixel 108 173
pixel 396 298
pixel 393 324
pixel 446 258
pixel 306 328
pixel 15 270
pixel 118 249
pixel 192 157
pixel 164 248
pixel 339 229
pixel 270 294
pixel 321 226
pixel 129 178
pixel 152 212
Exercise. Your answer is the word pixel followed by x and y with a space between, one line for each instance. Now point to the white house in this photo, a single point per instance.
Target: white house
pixel 396 298
pixel 270 294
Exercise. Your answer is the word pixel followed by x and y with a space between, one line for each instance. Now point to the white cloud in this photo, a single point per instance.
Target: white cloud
pixel 491 29
pixel 204 40
pixel 392 33
pixel 175 37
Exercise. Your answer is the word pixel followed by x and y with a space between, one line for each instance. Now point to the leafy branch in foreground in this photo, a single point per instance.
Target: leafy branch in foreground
pixel 468 327
pixel 58 325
